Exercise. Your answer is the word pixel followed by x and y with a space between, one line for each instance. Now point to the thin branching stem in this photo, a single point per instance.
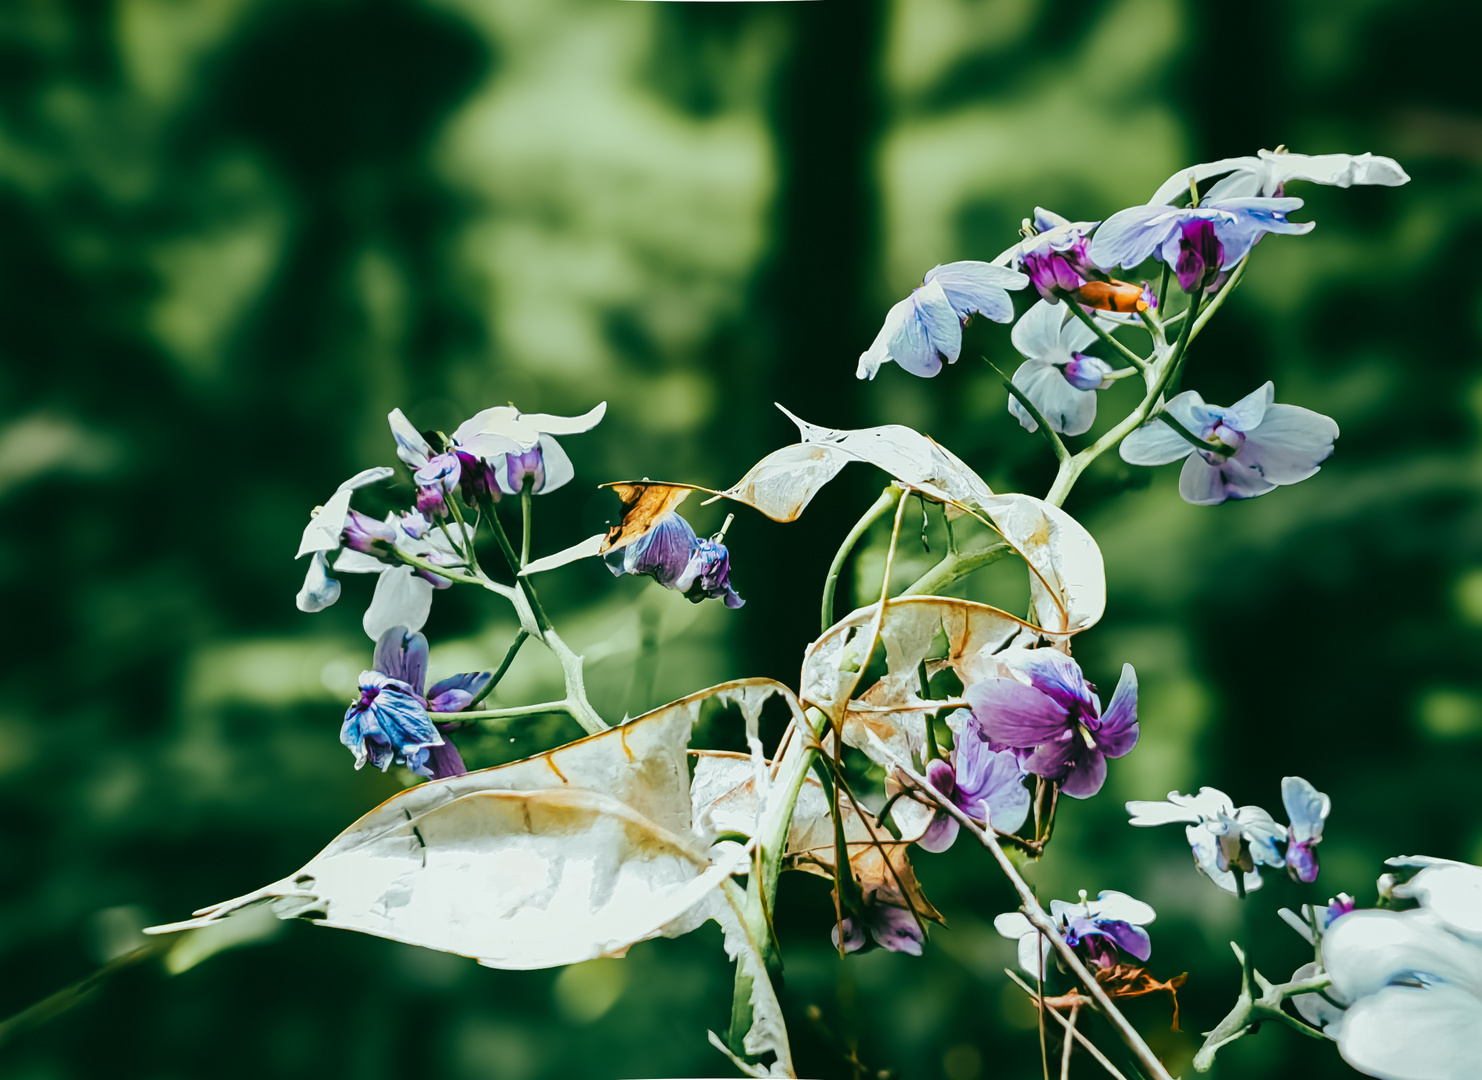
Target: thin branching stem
pixel 1101 1059
pixel 881 506
pixel 1100 331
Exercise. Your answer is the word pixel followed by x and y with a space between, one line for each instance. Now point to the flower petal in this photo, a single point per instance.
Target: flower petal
pixel 1014 714
pixel 1452 893
pixel 897 930
pixel 1408 1033
pixel 401 599
pixel 558 467
pixel 1132 940
pixel 1366 950
pixel 402 654
pixel 1156 443
pixel 1178 184
pixel 411 447
pixel 1086 776
pixel 1110 904
pixel 1336 170
pixel 978 287
pixel 319 590
pixel 1129 236
pixel 940 834
pixel 1203 484
pixel 1306 808
pixel 1245 415
pixel 943 327
pixel 1068 410
pixel 1290 444
pixel 1037 333
pixel 327 526
pixel 1118 732
pixel 1160 813
pixel 549 424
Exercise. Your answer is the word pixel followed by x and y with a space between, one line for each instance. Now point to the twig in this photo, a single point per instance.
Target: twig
pixel 1091 1049
pixel 1075 1011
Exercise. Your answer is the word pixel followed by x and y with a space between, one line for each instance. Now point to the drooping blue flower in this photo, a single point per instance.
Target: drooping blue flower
pixel 676 558
pixel 927 325
pixel 1171 234
pixel 1270 171
pixel 1268 446
pixel 986 783
pixel 1224 840
pixel 1057 376
pixel 390 722
pixel 1306 809
pixel 1102 929
pixel 1043 704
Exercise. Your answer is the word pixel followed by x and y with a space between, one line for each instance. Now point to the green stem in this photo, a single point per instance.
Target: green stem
pixel 953 567
pixel 448 572
pixel 1057 446
pixel 525 500
pixel 884 503
pixel 509 658
pixel 1096 328
pixel 537 709
pixel 1219 300
pixel 1250 1010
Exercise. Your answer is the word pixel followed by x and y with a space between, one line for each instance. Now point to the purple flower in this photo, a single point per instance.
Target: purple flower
pixel 1171 234
pixel 1102 929
pixel 1047 707
pixel 890 927
pixel 985 783
pixel 1306 809
pixel 929 322
pixel 1266 446
pixel 435 475
pixel 390 721
pixel 676 558
pixel 403 595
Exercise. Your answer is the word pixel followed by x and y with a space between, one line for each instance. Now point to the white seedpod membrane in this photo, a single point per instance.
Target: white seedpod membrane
pixel 573 854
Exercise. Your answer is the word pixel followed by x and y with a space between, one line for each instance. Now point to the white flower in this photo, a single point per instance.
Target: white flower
pixel 1220 835
pixel 323 535
pixel 1269 172
pixel 1057 377
pixel 513 443
pixel 1414 979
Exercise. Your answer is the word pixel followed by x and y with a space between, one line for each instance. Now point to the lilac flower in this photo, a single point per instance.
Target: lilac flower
pixel 676 558
pixel 435 474
pixel 403 595
pixel 890 927
pixel 1411 980
pixel 929 321
pixel 500 447
pixel 1270 172
pixel 1221 836
pixel 1306 809
pixel 1103 929
pixel 1057 377
pixel 1176 237
pixel 390 721
pixel 1048 707
pixel 985 783
pixel 1269 446
pixel 1054 254
pixel 324 535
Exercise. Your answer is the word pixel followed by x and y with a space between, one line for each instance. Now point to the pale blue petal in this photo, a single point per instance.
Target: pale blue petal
pixel 1178 184
pixel 1110 904
pixel 326 528
pixel 1290 444
pixel 978 287
pixel 1037 333
pixel 367 476
pixel 1203 484
pixel 320 590
pixel 1129 236
pixel 941 322
pixel 1155 443
pixel 411 447
pixel 1068 410
pixel 1306 808
pixel 401 599
pixel 1413 1033
pixel 558 468
pixel 1246 413
pixel 1336 170
pixel 878 354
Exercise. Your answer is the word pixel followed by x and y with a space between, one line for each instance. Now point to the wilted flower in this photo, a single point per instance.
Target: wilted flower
pixel 1306 810
pixel 986 784
pixel 1044 704
pixel 1100 928
pixel 1411 980
pixel 1223 838
pixel 676 558
pixel 890 927
pixel 1197 241
pixel 929 321
pixel 1266 446
pixel 390 721
pixel 499 448
pixel 1057 377
pixel 324 535
pixel 1270 171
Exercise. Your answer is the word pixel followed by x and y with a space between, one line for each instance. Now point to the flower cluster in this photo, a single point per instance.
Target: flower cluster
pixel 1230 844
pixel 1102 930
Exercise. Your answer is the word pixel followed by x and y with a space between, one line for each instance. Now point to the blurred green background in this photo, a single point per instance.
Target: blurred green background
pixel 235 233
